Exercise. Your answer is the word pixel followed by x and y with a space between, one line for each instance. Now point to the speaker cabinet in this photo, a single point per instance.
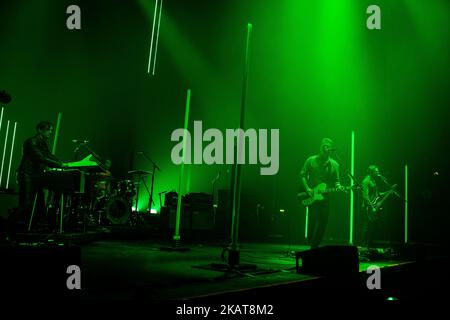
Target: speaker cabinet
pixel 329 261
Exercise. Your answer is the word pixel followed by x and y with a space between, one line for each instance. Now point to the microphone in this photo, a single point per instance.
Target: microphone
pixel 140 152
pixel 332 149
pixel 80 141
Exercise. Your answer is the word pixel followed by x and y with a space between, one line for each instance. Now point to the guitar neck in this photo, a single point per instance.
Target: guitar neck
pixel 384 198
pixel 330 190
pixel 327 190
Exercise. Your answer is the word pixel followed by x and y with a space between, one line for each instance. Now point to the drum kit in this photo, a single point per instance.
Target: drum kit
pixel 113 199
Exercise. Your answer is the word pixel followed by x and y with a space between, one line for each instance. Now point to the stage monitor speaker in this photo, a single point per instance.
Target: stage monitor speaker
pixel 202 220
pixel 168 218
pixel 329 261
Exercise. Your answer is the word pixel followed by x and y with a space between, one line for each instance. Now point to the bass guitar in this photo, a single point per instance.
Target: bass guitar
pixel 374 209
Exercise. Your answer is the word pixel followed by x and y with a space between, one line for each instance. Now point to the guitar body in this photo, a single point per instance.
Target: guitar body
pixel 317 195
pixel 318 192
pixel 373 213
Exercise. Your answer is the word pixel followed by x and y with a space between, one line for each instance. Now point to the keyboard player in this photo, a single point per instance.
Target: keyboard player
pixel 36 158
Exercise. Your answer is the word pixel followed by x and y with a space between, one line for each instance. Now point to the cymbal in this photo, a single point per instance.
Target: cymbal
pixel 139 172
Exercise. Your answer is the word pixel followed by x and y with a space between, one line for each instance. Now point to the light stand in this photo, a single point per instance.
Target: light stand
pixel 176 239
pixel 233 260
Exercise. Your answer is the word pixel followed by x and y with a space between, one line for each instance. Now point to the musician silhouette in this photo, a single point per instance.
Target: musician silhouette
pixel 370 195
pixel 36 158
pixel 320 168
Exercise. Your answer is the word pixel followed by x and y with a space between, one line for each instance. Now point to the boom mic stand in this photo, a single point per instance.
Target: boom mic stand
pixel 154 168
pixel 354 180
pixel 392 187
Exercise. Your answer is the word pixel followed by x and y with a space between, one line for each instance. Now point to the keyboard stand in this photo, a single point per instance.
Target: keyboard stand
pixel 61 213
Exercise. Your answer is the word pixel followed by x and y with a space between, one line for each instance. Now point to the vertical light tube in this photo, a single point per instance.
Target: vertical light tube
pixel 1 118
pixel 176 236
pixel 157 38
pixel 406 204
pixel 58 125
pixel 352 171
pixel 306 223
pixel 11 154
pixel 153 34
pixel 4 152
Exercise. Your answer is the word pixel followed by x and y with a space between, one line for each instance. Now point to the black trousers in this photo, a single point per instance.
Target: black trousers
pixel 318 214
pixel 370 228
pixel 28 189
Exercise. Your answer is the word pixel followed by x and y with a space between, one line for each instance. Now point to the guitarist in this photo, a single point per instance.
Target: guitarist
pixel 319 169
pixel 369 195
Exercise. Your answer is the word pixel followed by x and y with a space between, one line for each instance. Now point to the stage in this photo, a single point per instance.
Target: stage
pixel 146 270
pixel 195 152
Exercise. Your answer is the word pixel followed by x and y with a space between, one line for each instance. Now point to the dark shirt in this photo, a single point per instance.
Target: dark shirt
pixel 316 172
pixel 36 157
pixel 369 191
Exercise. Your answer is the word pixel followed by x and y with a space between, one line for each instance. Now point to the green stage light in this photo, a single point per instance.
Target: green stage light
pixel 4 152
pixel 11 154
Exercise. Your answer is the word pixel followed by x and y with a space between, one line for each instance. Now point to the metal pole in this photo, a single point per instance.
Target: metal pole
pixel 236 191
pixel 61 216
pixel 176 236
pixel 151 190
pixel 136 208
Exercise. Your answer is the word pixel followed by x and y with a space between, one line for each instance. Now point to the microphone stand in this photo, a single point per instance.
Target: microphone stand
pixel 154 168
pixel 391 187
pixel 96 156
pixel 354 180
pixel 160 201
pixel 212 200
pixel 77 149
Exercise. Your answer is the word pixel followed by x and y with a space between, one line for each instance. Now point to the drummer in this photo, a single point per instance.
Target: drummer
pixel 103 181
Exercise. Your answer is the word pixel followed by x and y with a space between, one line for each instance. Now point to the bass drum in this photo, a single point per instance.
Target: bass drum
pixel 118 210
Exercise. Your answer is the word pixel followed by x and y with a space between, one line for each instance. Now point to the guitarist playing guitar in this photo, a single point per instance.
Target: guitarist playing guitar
pixel 319 169
pixel 372 203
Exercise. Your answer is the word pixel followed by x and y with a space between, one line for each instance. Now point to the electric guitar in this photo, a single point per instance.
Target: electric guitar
pixel 318 192
pixel 373 211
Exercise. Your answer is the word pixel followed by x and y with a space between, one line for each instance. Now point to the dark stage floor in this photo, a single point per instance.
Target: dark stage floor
pixel 140 270
pixel 127 270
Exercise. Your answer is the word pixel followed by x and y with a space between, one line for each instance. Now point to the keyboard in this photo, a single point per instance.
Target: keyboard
pixel 90 163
